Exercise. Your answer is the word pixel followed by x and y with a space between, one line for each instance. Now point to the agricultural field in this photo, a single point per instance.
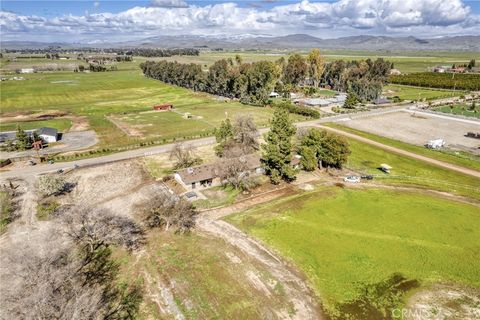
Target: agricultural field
pixel 460 109
pixel 439 80
pixel 350 241
pixel 120 93
pixel 406 62
pixel 417 93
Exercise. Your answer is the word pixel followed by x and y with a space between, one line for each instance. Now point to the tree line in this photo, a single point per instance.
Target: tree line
pixel 143 52
pixel 252 82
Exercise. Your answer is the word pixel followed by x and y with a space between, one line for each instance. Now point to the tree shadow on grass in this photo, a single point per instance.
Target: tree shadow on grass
pixel 377 300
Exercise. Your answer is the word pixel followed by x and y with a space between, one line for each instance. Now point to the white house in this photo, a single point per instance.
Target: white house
pixel 48 134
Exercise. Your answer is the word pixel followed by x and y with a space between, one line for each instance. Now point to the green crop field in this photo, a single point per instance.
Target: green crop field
pixel 417 93
pixel 347 240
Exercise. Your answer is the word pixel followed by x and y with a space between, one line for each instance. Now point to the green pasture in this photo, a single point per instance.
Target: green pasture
pixel 346 240
pixel 96 95
pixel 460 158
pixel 460 109
pixel 418 93
pixel 61 125
pixel 409 171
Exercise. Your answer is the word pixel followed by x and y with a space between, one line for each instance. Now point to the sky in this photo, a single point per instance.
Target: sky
pixel 123 20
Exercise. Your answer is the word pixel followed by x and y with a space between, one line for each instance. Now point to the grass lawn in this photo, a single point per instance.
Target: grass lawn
pixel 217 196
pixel 61 125
pixel 459 109
pixel 345 240
pixel 416 93
pixel 463 159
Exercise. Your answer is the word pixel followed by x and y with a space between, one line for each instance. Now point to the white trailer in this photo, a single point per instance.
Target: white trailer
pixel 435 144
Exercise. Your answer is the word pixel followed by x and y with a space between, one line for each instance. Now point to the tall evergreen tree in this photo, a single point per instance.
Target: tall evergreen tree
pixel 277 150
pixel 316 64
pixel 23 140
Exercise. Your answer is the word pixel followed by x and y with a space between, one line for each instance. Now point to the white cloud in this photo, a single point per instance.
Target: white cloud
pixel 96 4
pixel 168 3
pixel 420 18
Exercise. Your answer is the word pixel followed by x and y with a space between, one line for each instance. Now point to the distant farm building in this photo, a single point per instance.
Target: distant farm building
pixel 48 134
pixel 163 107
pixel 27 70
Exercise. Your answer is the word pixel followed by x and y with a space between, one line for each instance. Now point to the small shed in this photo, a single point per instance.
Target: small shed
pixel 163 107
pixel 385 168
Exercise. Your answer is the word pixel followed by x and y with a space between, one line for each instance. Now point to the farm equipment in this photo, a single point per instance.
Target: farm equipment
pixel 473 135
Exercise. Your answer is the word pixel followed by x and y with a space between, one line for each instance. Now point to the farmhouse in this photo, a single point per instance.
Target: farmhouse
pixel 48 134
pixel 163 107
pixel 208 175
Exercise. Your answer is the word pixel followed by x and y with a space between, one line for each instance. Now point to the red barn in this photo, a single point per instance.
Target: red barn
pixel 163 107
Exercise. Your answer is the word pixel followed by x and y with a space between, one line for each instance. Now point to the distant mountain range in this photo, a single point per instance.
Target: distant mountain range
pixel 294 41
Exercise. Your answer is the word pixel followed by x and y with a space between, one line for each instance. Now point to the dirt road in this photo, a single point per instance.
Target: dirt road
pixel 439 163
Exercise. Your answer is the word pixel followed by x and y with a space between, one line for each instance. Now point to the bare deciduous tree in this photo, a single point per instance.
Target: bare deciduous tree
pixel 96 227
pixel 170 211
pixel 234 172
pixel 184 156
pixel 245 132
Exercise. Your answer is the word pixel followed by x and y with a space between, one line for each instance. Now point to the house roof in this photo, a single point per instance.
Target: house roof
pixel 47 131
pixel 209 171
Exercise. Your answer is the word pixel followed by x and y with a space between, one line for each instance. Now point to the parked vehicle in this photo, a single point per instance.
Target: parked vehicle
pixel 51 162
pixel 60 171
pixel 352 179
pixel 31 163
pixel 367 177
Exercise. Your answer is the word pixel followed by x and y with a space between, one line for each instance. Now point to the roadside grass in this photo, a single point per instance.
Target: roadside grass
pixel 410 172
pixel 418 93
pixel 460 158
pixel 459 109
pixel 207 285
pixel 61 125
pixel 6 208
pixel 345 240
pixel 217 196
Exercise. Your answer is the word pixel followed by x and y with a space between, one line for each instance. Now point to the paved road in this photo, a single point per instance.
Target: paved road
pixel 45 168
pixel 439 163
